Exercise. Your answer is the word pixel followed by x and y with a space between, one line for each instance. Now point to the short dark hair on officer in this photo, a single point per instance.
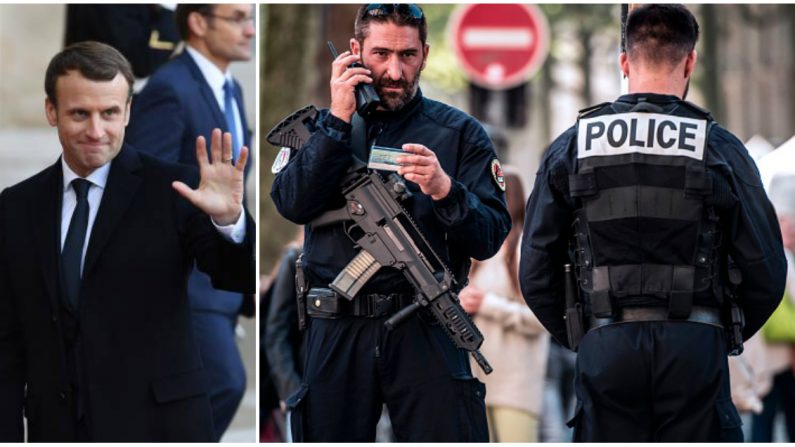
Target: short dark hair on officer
pixel 182 13
pixel 401 14
pixel 661 33
pixel 94 60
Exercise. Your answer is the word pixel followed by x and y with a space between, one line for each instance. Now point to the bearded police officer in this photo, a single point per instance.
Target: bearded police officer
pixel 353 363
pixel 654 204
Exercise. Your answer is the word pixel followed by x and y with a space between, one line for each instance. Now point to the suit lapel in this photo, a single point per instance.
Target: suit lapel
pixel 206 91
pixel 46 223
pixel 119 193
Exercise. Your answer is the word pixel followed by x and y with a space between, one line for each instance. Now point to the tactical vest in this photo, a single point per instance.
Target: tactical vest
pixel 644 231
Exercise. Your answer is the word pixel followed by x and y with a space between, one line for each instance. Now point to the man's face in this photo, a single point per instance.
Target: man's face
pixel 396 57
pixel 229 32
pixel 90 117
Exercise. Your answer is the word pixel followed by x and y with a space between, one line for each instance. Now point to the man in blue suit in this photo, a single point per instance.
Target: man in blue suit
pixel 189 96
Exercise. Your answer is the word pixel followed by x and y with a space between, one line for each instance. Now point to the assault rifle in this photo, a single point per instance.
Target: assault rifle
pixel 388 237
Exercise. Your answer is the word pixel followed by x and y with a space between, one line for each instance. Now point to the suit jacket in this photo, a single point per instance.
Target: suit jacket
pixel 145 378
pixel 176 106
pixel 145 34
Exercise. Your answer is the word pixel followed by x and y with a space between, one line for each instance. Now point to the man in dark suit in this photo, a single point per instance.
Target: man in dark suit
pixel 146 34
pixel 189 96
pixel 96 341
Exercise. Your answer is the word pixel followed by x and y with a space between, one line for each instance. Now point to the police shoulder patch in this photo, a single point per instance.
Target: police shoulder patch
pixel 282 158
pixel 496 173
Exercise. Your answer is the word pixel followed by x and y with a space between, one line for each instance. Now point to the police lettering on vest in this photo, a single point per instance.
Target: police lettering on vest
pixel 646 133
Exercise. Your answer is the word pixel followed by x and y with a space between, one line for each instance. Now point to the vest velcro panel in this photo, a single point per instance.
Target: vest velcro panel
pixel 642 201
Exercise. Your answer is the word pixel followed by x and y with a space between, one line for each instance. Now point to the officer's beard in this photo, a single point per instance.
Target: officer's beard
pixel 394 101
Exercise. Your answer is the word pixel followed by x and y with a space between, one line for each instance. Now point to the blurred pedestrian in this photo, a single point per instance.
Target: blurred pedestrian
pixel 283 341
pixel 774 356
pixel 559 399
pixel 515 342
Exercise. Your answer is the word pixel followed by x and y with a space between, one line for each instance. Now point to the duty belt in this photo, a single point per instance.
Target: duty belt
pixel 699 314
pixel 326 303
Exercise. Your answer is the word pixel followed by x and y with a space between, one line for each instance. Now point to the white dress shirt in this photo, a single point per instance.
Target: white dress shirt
pixel 235 232
pixel 216 80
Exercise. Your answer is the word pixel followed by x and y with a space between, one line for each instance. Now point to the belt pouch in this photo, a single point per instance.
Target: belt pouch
pixel 322 303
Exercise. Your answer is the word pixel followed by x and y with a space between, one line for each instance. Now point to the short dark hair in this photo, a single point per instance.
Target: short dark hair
pixel 94 60
pixel 182 13
pixel 661 33
pixel 395 14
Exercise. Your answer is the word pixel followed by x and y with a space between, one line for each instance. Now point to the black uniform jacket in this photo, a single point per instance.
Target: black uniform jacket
pixel 143 370
pixel 471 222
pixel 751 233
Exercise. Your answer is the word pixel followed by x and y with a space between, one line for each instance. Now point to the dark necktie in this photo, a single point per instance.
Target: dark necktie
pixel 229 113
pixel 72 254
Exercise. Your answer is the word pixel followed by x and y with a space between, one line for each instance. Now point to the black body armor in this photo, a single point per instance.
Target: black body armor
pixel 646 232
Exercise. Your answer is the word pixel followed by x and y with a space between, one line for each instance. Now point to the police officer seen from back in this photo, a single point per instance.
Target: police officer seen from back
pixel 649 200
pixel 353 363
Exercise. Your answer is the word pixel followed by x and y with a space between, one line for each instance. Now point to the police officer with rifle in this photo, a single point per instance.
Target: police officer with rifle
pixel 662 215
pixel 385 253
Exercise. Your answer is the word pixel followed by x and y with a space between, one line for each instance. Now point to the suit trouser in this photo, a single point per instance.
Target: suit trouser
pixel 354 365
pixel 654 382
pixel 215 333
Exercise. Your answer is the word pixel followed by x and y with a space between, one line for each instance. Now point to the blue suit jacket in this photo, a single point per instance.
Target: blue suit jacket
pixel 176 106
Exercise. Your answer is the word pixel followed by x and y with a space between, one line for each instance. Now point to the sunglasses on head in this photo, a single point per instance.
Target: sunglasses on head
pixel 385 9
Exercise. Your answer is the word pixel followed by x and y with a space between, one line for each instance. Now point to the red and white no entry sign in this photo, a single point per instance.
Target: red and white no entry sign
pixel 499 46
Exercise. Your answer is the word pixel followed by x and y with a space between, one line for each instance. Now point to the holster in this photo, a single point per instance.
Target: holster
pixel 734 331
pixel 575 327
pixel 736 317
pixel 301 288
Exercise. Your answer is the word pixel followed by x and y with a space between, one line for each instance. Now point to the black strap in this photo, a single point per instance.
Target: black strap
pixel 588 110
pixel 645 106
pixel 699 314
pixel 583 184
pixel 601 306
pixel 675 281
pixel 582 248
pixel 359 138
pixel 681 302
pixel 643 201
pixel 644 279
pixel 698 181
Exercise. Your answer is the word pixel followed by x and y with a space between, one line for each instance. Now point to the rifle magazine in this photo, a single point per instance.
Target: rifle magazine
pixel 355 275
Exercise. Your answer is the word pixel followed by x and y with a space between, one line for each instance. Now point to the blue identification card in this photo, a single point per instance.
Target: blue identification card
pixel 384 158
